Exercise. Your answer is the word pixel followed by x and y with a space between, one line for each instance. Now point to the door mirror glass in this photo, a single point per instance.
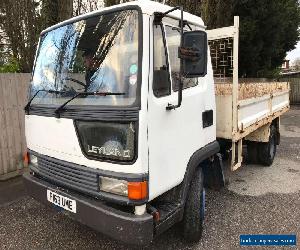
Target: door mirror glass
pixel 194 54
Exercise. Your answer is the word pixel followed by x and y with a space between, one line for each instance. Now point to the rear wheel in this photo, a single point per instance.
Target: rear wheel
pixel 194 209
pixel 267 150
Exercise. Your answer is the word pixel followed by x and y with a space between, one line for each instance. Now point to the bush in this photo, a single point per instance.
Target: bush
pixel 12 66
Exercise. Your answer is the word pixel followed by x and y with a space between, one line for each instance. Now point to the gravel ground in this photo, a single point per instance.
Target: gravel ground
pixel 258 200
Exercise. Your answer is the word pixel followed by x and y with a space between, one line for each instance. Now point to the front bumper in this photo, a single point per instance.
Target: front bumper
pixel 126 227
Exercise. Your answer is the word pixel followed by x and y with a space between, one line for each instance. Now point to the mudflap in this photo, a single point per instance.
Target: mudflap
pixel 213 173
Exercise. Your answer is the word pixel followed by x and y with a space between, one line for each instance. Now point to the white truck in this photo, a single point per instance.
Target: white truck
pixel 129 109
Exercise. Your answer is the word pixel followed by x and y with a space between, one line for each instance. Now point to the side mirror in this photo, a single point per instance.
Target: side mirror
pixel 193 54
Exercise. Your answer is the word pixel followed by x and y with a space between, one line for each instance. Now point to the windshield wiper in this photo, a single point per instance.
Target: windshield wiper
pixel 61 107
pixel 75 80
pixel 51 91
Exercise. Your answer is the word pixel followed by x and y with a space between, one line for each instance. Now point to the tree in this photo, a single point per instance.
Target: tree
pixel 268 29
pixel 192 6
pixel 217 13
pixel 108 3
pixel 20 22
pixel 10 66
pixel 55 11
pixel 85 6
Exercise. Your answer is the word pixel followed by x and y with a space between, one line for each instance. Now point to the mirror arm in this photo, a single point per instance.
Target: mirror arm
pixel 158 16
pixel 180 87
pixel 185 23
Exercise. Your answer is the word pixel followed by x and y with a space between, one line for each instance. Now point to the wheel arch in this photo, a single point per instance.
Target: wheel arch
pixel 198 157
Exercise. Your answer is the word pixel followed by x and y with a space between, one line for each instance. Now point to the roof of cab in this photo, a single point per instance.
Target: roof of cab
pixel 147 7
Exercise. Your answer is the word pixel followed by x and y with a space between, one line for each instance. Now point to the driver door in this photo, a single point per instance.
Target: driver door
pixel 174 135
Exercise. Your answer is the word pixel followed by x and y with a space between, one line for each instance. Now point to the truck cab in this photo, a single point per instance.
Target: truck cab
pixel 121 121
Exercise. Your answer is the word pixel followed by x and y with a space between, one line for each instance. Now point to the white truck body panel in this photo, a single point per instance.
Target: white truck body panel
pixel 253 110
pixel 57 138
pixel 224 116
pixel 250 111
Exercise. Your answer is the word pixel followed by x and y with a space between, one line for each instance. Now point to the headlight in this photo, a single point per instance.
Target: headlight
pixel 107 140
pixel 133 190
pixel 114 186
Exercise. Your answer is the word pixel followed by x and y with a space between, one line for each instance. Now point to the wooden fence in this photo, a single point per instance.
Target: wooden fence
pixel 295 89
pixel 13 95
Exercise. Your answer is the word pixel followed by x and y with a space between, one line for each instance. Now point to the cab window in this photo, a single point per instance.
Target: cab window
pixel 173 42
pixel 161 76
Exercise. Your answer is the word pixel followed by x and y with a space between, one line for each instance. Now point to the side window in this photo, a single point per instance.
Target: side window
pixel 173 42
pixel 161 78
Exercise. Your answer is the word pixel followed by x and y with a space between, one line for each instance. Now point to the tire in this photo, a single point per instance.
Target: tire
pixel 252 152
pixel 194 209
pixel 267 150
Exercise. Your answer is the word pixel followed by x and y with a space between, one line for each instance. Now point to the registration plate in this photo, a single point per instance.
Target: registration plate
pixel 61 201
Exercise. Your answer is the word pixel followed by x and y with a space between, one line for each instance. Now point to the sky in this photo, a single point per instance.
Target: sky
pixel 294 54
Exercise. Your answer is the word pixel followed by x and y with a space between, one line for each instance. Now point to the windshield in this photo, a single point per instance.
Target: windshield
pixel 98 54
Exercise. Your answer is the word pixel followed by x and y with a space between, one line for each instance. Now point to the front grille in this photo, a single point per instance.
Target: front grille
pixel 67 175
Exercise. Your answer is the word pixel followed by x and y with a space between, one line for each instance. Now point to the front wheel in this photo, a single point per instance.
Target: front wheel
pixel 194 209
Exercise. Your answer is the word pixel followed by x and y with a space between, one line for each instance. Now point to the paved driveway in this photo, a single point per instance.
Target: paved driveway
pixel 258 200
